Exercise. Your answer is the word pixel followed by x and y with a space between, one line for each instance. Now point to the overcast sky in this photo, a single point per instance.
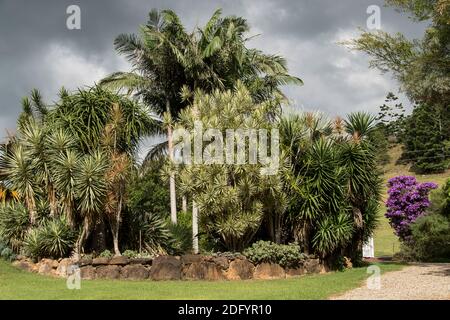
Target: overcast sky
pixel 38 51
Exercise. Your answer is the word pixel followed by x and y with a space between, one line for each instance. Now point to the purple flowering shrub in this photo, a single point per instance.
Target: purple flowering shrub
pixel 408 200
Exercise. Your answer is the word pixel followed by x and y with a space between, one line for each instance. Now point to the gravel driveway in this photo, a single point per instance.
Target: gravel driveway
pixel 425 281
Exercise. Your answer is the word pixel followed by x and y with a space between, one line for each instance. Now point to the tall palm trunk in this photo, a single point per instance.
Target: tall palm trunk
pixel 173 198
pixel 195 227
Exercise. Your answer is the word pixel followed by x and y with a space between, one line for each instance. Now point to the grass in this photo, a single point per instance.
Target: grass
pixel 385 242
pixel 17 284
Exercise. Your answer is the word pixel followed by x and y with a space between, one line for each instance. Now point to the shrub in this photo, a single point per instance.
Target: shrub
pixel 2 246
pixel 149 229
pixel 430 234
pixel 266 251
pixel 106 254
pixel 430 238
pixel 181 234
pixel 58 238
pixel 14 223
pixel 51 239
pixel 7 254
pixel 33 244
pixel 130 254
pixel 407 201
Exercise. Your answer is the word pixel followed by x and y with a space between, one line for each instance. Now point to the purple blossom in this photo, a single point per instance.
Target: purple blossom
pixel 407 201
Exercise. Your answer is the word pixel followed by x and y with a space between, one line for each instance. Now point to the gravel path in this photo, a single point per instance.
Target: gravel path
pixel 429 281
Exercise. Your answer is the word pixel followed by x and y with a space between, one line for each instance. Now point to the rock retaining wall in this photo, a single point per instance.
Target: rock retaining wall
pixel 187 267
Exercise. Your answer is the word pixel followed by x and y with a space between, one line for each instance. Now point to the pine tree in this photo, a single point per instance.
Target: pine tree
pixel 425 139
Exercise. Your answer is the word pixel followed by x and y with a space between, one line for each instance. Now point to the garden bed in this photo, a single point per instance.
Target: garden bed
pixel 186 267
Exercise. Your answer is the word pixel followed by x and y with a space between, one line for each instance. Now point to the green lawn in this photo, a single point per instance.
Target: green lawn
pixel 18 284
pixel 385 242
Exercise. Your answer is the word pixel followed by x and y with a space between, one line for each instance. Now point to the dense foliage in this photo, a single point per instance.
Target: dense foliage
pixel 333 183
pixel 427 139
pixel 430 233
pixel 52 238
pixel 71 182
pixel 71 160
pixel 233 199
pixel 286 255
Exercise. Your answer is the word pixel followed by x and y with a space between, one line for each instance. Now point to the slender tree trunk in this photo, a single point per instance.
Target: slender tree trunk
pixel 52 201
pixel 184 204
pixel 81 239
pixel 301 235
pixel 116 243
pixel 115 229
pixel 195 227
pixel 173 198
pixel 69 214
pixel 31 206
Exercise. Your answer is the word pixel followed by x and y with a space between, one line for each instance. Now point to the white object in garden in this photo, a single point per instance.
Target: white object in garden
pixel 368 249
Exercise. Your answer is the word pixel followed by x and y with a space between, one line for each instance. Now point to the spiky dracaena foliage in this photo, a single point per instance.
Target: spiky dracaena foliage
pixel 19 170
pixel 65 166
pixel 149 230
pixel 14 223
pixel 360 124
pixel 91 190
pixel 333 232
pixel 58 239
pixel 230 196
pixel 333 182
pixel 116 176
pixel 362 182
pixel 313 181
pixel 52 238
pixel 87 113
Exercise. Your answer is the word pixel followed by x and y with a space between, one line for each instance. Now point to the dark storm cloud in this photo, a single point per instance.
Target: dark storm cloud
pixel 37 50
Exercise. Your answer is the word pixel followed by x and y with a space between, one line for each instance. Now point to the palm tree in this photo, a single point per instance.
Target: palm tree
pixel 117 173
pixel 91 192
pixel 19 170
pixel 54 157
pixel 166 59
pixel 100 121
pixel 362 176
pixel 64 167
pixel 333 182
pixel 231 200
pixel 6 194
